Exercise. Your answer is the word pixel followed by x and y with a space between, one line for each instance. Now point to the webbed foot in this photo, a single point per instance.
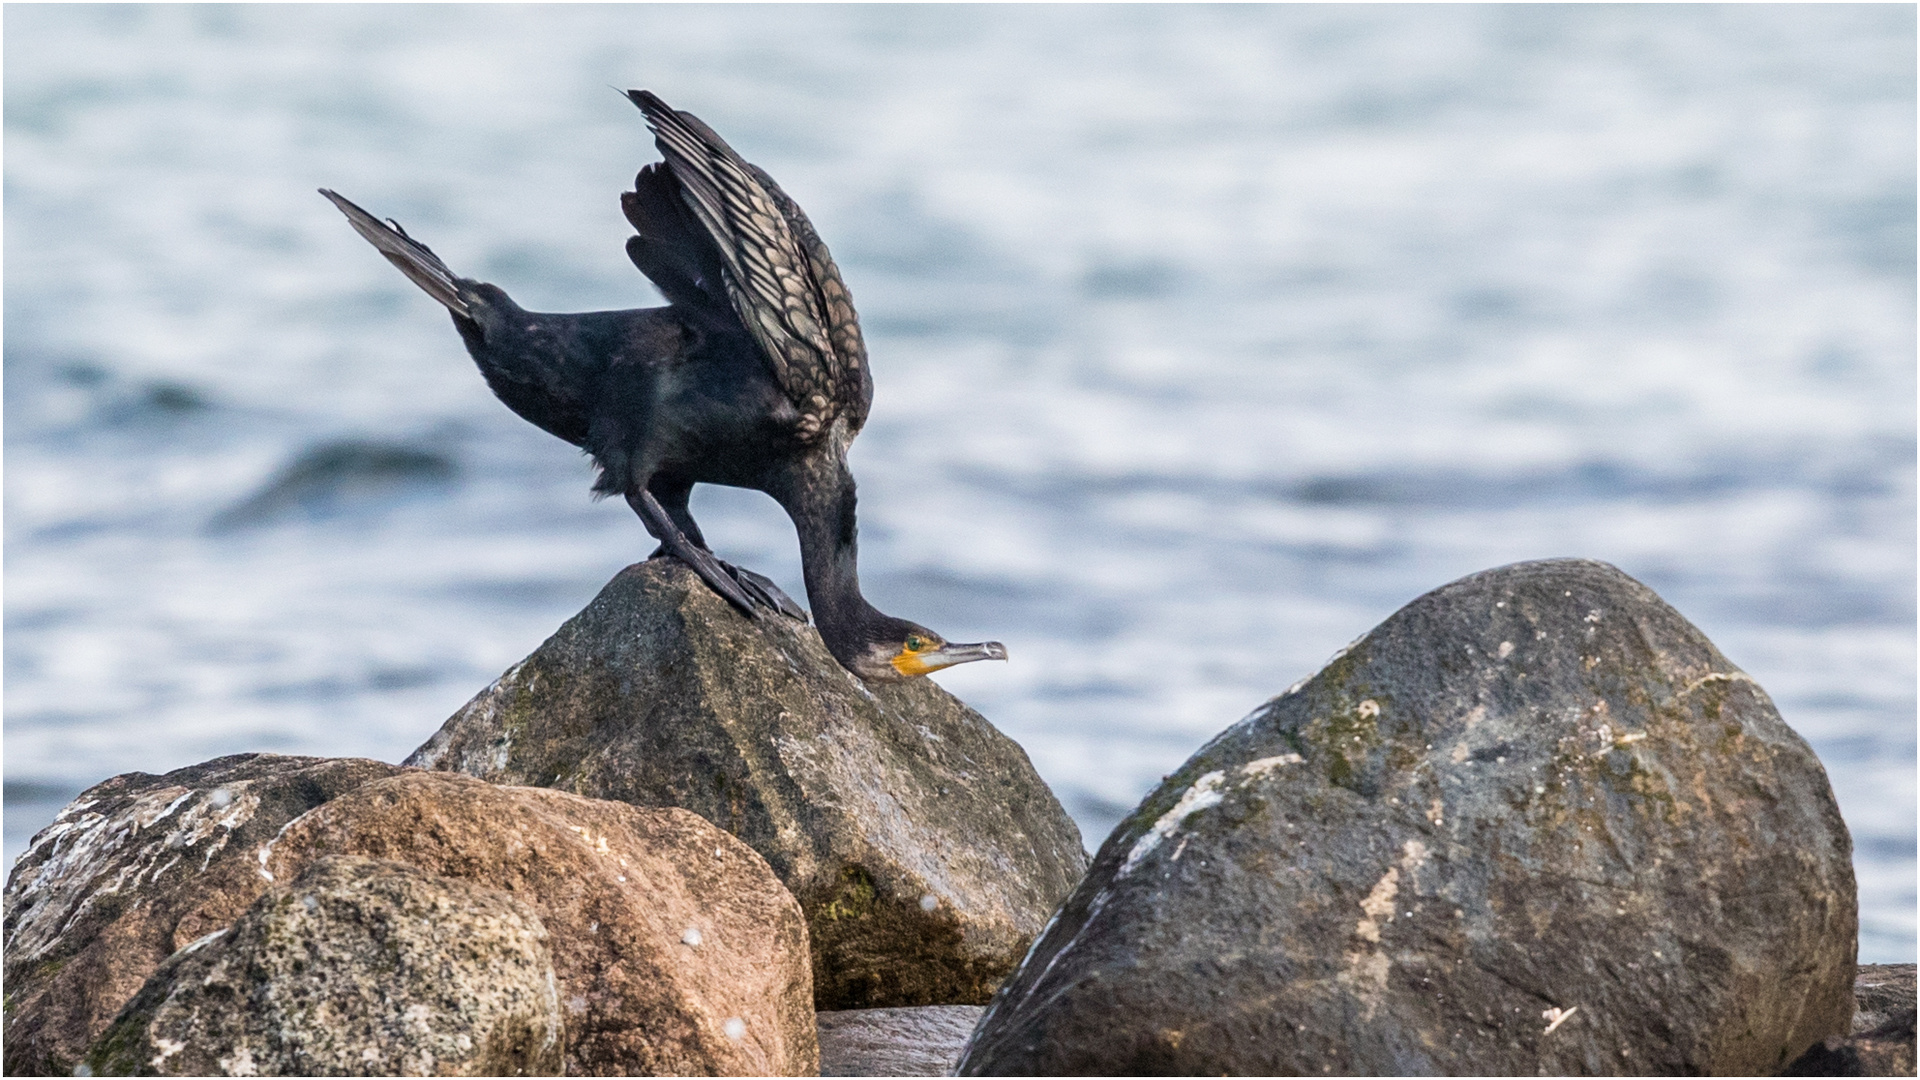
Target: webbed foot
pixel 750 592
pixel 764 590
pixel 702 561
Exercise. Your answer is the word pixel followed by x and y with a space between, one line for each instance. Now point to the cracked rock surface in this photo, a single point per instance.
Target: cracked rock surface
pixel 1533 823
pixel 923 847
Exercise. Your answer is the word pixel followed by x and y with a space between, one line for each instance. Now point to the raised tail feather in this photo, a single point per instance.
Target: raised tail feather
pixel 412 257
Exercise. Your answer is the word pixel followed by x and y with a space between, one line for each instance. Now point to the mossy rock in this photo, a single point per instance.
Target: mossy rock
pixel 920 842
pixel 1534 823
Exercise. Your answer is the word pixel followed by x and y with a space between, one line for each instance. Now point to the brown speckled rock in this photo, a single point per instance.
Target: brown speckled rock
pixel 132 870
pixel 923 847
pixel 676 949
pixel 1534 823
pixel 359 967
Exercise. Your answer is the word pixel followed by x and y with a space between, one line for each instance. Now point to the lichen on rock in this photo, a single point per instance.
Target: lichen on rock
pixel 923 847
pixel 358 967
pixel 1533 823
pixel 675 948
pixel 132 870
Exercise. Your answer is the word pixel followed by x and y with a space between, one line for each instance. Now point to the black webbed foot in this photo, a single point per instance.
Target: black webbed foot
pixel 764 590
pixel 759 592
pixel 700 559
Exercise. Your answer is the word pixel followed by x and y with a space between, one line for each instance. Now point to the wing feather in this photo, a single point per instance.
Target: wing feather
pixel 779 278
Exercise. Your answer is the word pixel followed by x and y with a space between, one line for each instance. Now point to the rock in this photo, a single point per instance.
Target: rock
pixel 360 967
pixel 1534 823
pixel 675 948
pixel 1882 1040
pixel 922 1041
pixel 923 847
pixel 132 870
pixel 1882 993
pixel 336 478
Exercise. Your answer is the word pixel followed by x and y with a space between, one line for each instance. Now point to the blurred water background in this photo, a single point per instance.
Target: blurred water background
pixel 1204 339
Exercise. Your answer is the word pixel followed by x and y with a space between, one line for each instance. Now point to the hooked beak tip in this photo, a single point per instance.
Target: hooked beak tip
pixel 953 654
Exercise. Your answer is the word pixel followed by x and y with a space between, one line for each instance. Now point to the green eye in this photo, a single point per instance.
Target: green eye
pixel 914 644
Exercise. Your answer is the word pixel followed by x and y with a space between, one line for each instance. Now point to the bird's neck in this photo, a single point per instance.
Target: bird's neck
pixel 823 515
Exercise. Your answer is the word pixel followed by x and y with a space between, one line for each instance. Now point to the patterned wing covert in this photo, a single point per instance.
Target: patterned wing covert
pixel 780 279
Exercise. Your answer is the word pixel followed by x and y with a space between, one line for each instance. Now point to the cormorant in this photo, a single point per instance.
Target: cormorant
pixel 753 376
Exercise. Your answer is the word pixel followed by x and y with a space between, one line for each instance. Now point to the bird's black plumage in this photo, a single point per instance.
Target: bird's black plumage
pixel 755 375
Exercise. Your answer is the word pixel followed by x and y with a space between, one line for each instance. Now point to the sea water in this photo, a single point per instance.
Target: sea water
pixel 1204 338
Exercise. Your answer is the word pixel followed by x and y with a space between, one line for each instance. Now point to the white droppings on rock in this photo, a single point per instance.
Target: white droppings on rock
pixel 1205 792
pixel 691 937
pixel 170 808
pixel 929 902
pixel 1268 764
pixel 202 942
pixel 240 1064
pixel 1556 1016
pixel 167 1048
pixel 1717 676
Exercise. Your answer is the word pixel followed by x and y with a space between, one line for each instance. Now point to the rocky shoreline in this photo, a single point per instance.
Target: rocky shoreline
pixel 1533 823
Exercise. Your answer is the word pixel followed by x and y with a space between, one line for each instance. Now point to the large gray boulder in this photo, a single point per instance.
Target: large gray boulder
pixel 132 870
pixel 922 846
pixel 359 967
pixel 1534 823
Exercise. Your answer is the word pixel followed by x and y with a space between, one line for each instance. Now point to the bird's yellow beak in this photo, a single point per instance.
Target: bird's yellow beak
pixel 914 664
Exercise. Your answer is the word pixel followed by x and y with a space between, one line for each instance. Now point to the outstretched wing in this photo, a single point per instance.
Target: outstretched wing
pixel 776 273
pixel 413 258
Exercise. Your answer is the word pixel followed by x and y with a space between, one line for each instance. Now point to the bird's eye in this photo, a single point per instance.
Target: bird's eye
pixel 915 644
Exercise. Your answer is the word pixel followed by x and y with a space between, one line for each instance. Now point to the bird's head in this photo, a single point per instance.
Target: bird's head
pixel 895 650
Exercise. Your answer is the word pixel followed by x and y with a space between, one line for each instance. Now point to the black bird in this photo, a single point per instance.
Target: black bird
pixel 753 376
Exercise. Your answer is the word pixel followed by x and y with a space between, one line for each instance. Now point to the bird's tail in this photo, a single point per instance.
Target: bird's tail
pixel 413 258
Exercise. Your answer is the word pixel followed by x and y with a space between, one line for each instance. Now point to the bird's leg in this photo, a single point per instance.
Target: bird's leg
pixel 672 495
pixel 699 558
